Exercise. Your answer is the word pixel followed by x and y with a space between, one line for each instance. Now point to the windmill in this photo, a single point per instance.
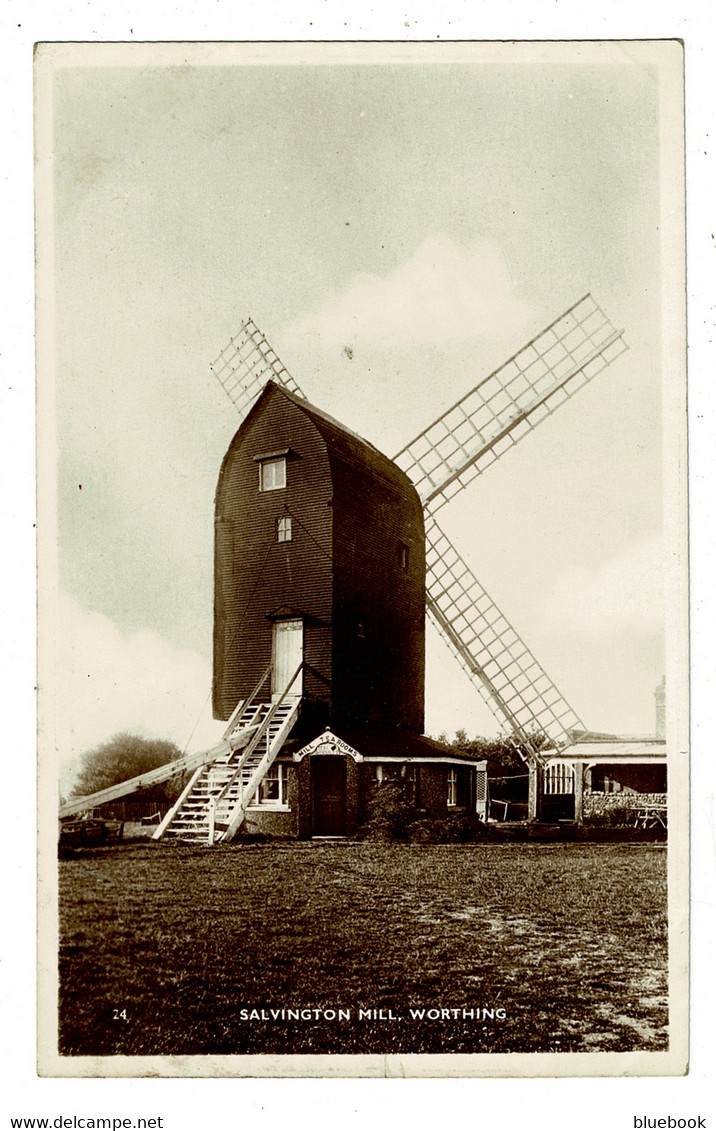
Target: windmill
pixel 441 461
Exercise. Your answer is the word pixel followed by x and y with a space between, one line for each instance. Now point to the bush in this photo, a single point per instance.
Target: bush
pixel 457 828
pixel 390 816
pixel 617 816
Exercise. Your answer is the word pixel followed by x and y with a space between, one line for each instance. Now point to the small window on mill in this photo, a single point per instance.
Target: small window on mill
pixel 272 474
pixel 283 529
pixel 403 555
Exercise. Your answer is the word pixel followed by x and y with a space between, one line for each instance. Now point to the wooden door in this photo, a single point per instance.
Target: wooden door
pixel 558 799
pixel 329 795
pixel 287 655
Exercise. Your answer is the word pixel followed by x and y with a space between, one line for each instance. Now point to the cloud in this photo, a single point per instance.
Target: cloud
pixel 106 681
pixel 445 293
pixel 624 594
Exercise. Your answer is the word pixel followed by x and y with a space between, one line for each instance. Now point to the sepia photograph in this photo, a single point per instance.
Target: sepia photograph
pixel 362 559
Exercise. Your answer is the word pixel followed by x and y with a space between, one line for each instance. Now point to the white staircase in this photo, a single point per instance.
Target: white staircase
pixel 213 805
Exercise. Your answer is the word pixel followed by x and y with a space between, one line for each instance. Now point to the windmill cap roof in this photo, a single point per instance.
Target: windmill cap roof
pixel 344 441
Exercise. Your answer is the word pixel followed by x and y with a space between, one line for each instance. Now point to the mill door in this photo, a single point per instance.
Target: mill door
pixel 287 655
pixel 329 795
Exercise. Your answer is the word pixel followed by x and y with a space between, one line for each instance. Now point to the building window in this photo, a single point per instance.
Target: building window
pixel 283 529
pixel 409 774
pixel 559 778
pixel 386 772
pixel 273 791
pixel 615 778
pixel 458 787
pixel 405 775
pixel 361 626
pixel 601 782
pixel 272 474
pixel 403 555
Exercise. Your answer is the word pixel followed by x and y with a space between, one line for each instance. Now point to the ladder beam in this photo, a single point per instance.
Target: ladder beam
pixel 248 736
pixel 141 781
pixel 181 765
pixel 215 795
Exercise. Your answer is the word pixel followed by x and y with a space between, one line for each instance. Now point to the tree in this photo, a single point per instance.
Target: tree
pixel 125 756
pixel 502 755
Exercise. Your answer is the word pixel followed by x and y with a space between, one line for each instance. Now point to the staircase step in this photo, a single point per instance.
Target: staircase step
pixel 220 779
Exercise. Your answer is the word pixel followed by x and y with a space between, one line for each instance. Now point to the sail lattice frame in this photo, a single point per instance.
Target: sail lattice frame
pixel 509 678
pixel 510 402
pixel 245 365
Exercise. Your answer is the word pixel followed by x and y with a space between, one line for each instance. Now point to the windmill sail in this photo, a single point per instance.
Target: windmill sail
pixel 245 365
pixel 499 663
pixel 510 402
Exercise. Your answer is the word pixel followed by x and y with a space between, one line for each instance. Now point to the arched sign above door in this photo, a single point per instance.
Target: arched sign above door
pixel 327 744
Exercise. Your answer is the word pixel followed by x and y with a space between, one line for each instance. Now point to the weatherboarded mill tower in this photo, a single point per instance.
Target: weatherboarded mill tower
pixel 319 560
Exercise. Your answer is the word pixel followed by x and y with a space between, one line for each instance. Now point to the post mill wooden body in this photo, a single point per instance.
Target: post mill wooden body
pixel 326 562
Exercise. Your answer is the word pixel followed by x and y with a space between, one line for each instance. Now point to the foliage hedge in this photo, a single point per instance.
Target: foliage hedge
pixel 391 817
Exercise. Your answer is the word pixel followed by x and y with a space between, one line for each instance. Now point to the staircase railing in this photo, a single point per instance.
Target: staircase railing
pixel 263 766
pixel 223 748
pixel 263 730
pixel 169 817
pixel 244 704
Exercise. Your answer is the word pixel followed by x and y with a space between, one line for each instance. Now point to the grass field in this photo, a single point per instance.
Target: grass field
pixel 162 947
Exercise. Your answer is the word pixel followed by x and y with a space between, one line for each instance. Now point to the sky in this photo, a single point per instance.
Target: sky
pixel 396 229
